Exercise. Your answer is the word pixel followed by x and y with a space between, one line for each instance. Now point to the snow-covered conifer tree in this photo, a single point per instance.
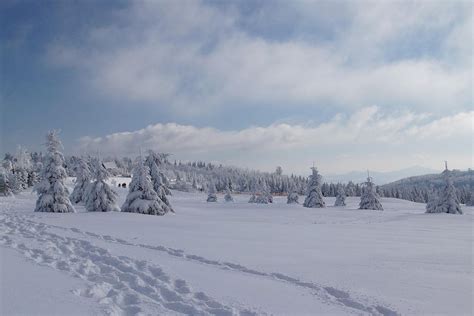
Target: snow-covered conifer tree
pixel 99 196
pixel 228 197
pixel 212 197
pixel 369 199
pixel 340 197
pixel 53 195
pixel 470 202
pixel 158 178
pixel 141 197
pixel 314 197
pixel 253 198
pixel 293 197
pixel 83 180
pixel 447 201
pixel 5 189
pixel 264 196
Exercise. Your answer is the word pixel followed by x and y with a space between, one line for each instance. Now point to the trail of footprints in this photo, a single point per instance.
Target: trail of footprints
pixel 122 285
pixel 123 282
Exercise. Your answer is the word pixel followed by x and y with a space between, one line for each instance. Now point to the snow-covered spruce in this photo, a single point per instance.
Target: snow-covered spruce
pixel 158 178
pixel 228 196
pixel 212 197
pixel 293 198
pixel 340 197
pixel 369 200
pixel 432 200
pixel 53 195
pixel 470 202
pixel 314 197
pixel 252 198
pixel 83 180
pixel 5 189
pixel 99 196
pixel 141 197
pixel 265 196
pixel 447 201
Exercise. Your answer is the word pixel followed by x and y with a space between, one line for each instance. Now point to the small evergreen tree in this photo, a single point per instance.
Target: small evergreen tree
pixel 212 197
pixel 99 196
pixel 228 197
pixel 253 198
pixel 314 198
pixel 447 201
pixel 53 195
pixel 293 197
pixel 369 199
pixel 264 197
pixel 141 197
pixel 340 197
pixel 83 180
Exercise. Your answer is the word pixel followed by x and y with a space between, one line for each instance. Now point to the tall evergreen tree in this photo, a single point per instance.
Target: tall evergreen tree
pixel 141 197
pixel 314 197
pixel 369 199
pixel 53 195
pixel 5 189
pixel 470 202
pixel 447 201
pixel 158 178
pixel 100 197
pixel 83 180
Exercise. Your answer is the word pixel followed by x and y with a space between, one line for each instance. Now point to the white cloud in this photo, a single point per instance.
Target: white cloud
pixel 346 142
pixel 197 57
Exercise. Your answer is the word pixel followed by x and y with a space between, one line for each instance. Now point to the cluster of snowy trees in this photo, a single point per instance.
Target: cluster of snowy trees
pixel 314 197
pixel 19 172
pixel 155 175
pixel 147 191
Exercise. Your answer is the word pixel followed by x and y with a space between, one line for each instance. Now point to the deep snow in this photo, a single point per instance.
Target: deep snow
pixel 236 258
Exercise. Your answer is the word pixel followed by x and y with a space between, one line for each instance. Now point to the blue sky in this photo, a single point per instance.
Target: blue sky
pixel 253 83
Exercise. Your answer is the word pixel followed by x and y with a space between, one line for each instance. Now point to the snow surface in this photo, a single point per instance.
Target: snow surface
pixel 235 258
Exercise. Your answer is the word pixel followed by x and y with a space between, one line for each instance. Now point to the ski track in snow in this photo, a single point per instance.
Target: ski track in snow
pixel 126 284
pixel 122 285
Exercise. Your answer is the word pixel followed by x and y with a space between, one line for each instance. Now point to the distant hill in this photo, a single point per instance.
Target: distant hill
pixel 380 178
pixel 419 188
pixel 460 179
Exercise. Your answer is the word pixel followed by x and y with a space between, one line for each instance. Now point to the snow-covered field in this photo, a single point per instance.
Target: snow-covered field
pixel 237 258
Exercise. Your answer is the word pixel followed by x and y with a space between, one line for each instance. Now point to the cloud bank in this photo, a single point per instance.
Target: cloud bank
pixel 366 138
